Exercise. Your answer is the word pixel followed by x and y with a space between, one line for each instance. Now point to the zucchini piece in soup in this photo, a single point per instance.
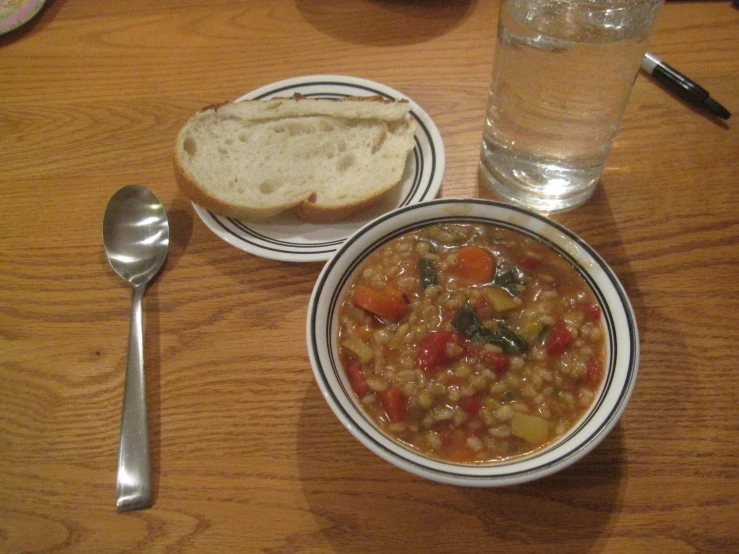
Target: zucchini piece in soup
pixel 530 428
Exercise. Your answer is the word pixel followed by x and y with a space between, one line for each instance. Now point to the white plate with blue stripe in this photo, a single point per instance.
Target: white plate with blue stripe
pixel 287 238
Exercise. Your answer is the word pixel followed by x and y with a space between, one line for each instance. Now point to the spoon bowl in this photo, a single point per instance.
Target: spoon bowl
pixel 136 240
pixel 135 234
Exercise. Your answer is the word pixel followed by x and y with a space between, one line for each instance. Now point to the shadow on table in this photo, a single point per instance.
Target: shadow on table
pixel 385 22
pixel 180 215
pixel 363 504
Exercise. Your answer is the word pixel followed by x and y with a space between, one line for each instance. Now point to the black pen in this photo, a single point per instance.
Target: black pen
pixel 682 86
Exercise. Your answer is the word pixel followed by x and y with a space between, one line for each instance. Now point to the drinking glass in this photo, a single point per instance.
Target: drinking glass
pixel 562 76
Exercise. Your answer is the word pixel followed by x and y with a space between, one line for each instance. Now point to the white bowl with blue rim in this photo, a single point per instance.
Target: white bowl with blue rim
pixel 622 342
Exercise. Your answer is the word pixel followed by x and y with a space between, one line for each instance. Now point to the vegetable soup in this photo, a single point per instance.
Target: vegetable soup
pixel 471 343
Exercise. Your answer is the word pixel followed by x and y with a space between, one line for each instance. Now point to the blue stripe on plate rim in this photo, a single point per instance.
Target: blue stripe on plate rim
pixel 585 444
pixel 262 246
pixel 268 243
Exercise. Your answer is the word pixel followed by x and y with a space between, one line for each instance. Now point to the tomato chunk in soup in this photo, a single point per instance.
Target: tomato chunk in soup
pixel 471 343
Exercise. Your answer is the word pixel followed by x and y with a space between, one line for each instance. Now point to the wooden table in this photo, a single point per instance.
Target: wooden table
pixel 247 456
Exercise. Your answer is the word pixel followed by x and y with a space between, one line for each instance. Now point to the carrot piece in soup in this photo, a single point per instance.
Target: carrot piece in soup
pixel 590 308
pixel 357 379
pixel 436 349
pixel 377 303
pixel 393 292
pixel 593 312
pixel 474 265
pixel 395 404
pixel 471 404
pixel 453 447
pixel 497 361
pixel 559 339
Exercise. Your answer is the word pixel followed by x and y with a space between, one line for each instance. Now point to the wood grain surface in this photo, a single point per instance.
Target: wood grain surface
pixel 247 456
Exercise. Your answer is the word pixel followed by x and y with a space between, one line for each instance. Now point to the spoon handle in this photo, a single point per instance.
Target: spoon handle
pixel 133 491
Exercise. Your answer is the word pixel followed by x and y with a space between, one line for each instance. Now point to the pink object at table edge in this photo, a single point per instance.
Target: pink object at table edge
pixel 23 13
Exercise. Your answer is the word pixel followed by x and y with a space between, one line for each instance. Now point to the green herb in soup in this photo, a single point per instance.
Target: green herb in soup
pixel 427 271
pixel 471 343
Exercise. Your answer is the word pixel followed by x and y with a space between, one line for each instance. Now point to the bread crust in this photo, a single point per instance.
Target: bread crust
pixel 191 190
pixel 305 208
pixel 315 213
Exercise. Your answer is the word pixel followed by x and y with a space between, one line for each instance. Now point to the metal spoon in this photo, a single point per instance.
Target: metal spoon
pixel 136 239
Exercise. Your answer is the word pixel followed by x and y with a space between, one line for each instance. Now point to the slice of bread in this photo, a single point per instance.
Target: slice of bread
pixel 327 159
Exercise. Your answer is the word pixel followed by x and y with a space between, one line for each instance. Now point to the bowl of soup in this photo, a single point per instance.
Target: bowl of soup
pixel 472 342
